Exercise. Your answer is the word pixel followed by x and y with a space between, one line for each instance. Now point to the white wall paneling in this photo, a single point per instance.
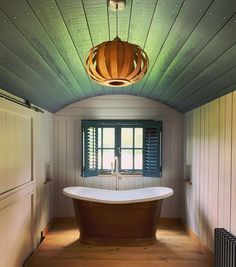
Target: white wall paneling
pixel 43 152
pixel 25 201
pixel 16 225
pixel 67 157
pixel 233 185
pixel 209 145
pixel 15 143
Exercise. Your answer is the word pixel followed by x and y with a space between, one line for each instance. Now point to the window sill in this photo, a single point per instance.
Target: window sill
pixel 121 175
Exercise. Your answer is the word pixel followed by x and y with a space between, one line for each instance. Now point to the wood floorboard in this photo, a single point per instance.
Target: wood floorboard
pixel 173 248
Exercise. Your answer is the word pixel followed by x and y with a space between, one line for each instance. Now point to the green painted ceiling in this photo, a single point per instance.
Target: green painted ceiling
pixel 191 45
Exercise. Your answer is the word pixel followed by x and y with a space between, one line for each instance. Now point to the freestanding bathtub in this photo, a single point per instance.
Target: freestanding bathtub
pixel 117 217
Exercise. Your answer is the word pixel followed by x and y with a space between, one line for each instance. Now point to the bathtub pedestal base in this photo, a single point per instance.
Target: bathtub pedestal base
pixel 117 224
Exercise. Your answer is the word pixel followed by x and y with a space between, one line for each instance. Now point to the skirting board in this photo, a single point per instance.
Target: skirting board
pixel 199 242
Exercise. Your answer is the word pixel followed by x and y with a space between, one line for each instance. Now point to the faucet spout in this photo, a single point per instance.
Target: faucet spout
pixel 116 167
pixel 116 172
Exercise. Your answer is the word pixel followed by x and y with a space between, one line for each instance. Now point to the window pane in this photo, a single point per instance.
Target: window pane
pixel 108 137
pixel 138 137
pixel 138 159
pixel 126 159
pixel 108 157
pixel 126 137
pixel 99 137
pixel 99 159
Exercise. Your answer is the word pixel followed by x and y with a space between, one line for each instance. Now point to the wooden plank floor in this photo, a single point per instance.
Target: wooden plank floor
pixel 174 248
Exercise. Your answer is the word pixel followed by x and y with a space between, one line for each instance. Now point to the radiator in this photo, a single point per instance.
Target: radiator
pixel 224 248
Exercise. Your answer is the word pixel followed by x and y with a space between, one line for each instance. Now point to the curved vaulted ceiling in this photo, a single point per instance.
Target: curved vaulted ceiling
pixel 191 47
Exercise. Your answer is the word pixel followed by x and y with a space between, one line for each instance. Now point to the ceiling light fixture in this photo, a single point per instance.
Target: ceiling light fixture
pixel 116 63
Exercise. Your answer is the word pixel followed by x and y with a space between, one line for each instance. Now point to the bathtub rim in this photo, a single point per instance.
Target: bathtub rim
pixel 119 196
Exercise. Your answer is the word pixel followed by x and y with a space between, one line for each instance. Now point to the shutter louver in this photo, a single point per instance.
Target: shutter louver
pixel 152 150
pixel 90 151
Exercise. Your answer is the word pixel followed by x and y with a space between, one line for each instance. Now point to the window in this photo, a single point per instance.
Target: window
pixel 137 144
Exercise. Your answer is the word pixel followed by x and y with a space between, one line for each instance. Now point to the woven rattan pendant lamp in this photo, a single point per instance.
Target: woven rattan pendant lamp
pixel 116 63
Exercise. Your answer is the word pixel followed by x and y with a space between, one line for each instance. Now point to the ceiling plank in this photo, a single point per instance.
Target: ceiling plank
pixel 190 15
pixel 217 46
pixel 25 21
pixel 164 18
pixel 219 66
pixel 14 84
pixel 211 24
pixel 141 20
pixel 74 19
pixel 18 67
pixel 222 82
pixel 52 22
pixel 17 43
pixel 215 95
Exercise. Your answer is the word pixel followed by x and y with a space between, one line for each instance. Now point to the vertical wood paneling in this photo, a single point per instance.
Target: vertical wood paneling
pixel 23 149
pixel 233 188
pixel 166 165
pixel 62 169
pixel 192 188
pixel 10 157
pixel 16 226
pixel 213 169
pixel 3 148
pixel 188 137
pixel 215 163
pixel 68 148
pixel 15 152
pixel 210 172
pixel 18 234
pixel 3 233
pixel 228 157
pixel 174 167
pixel 55 165
pixel 185 159
pixel 197 162
pixel 204 212
pixel 202 172
pixel 70 162
pixel 147 182
pixel 78 154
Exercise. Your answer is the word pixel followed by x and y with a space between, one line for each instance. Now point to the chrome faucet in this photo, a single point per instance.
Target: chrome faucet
pixel 116 172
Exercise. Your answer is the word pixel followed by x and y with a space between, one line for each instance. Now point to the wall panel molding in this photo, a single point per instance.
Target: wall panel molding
pixel 16 194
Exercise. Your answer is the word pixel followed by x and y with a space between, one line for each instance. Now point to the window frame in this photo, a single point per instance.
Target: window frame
pixel 118 125
pixel 132 171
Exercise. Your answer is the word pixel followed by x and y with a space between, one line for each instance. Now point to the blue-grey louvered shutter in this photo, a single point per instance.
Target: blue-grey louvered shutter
pixel 152 158
pixel 90 148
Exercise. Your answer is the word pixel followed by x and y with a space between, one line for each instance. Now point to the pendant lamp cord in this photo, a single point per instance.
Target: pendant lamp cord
pixel 116 19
